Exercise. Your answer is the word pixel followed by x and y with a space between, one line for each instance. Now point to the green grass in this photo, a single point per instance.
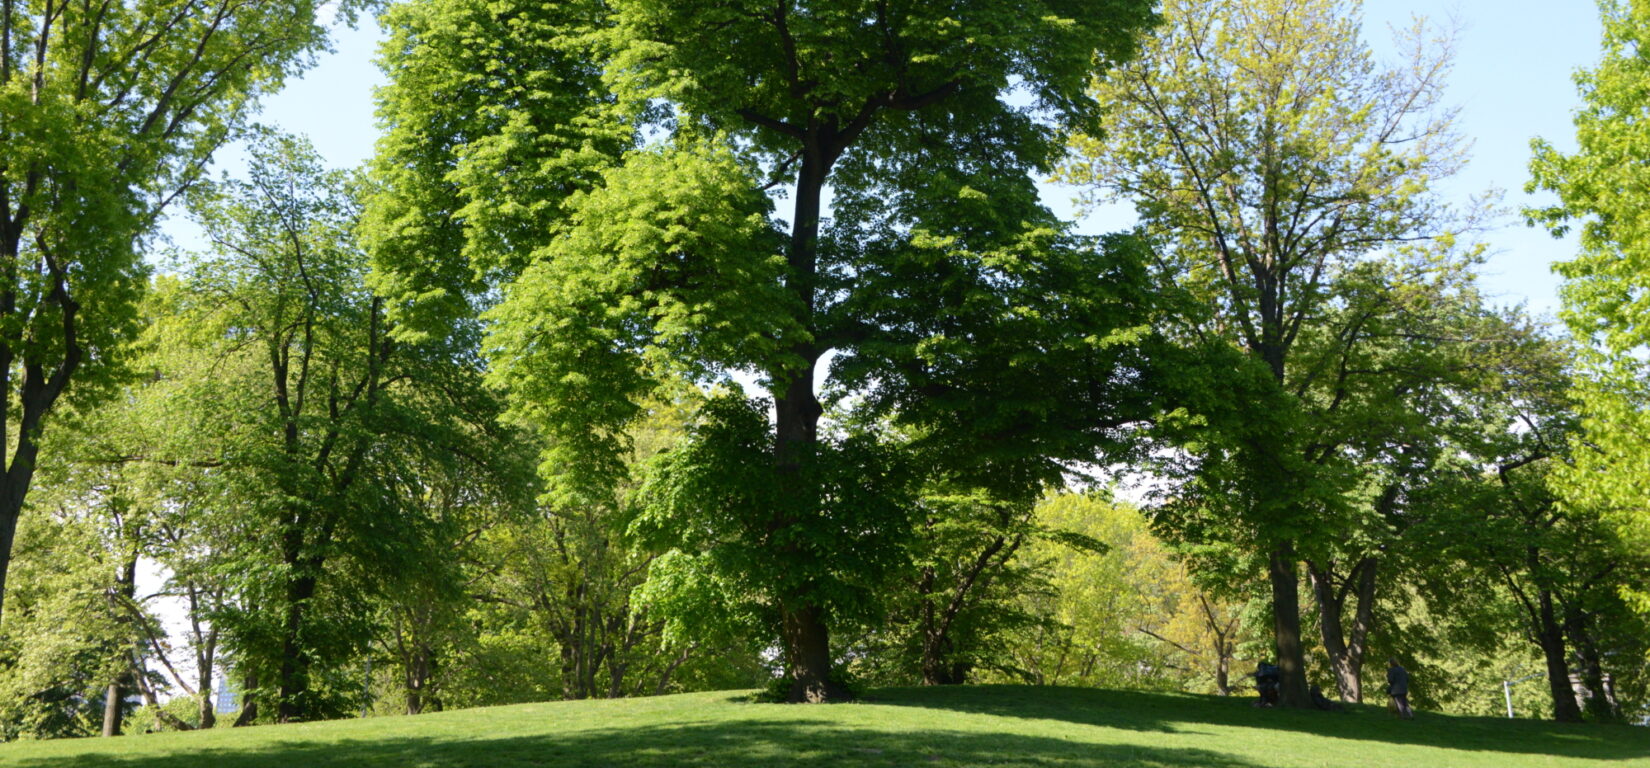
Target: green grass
pixel 983 725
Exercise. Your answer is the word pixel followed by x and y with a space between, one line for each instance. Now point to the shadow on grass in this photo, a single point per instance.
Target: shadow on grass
pixel 718 744
pixel 1183 713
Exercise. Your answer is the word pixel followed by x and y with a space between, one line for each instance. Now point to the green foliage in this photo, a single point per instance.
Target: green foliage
pixel 1599 187
pixel 63 639
pixel 493 119
pixel 670 269
pixel 705 506
pixel 1117 607
pixel 642 266
pixel 111 112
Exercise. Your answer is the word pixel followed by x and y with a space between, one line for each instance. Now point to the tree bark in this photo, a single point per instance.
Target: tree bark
pixel 1600 700
pixel 796 437
pixel 1346 656
pixel 1286 625
pixel 249 705
pixel 292 684
pixel 807 642
pixel 111 709
pixel 124 590
pixel 1551 636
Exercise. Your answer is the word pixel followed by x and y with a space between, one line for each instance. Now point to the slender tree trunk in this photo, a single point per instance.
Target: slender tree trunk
pixel 1346 657
pixel 125 589
pixel 292 703
pixel 1551 636
pixel 249 704
pixel 1286 625
pixel 1223 671
pixel 8 532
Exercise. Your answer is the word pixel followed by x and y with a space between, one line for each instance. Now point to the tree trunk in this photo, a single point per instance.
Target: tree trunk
pixel 292 695
pixel 8 532
pixel 123 592
pixel 208 708
pixel 1346 657
pixel 1551 636
pixel 249 704
pixel 1286 625
pixel 796 436
pixel 807 643
pixel 1599 701
pixel 111 709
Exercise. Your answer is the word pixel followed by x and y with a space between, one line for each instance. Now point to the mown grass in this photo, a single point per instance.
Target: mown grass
pixel 968 726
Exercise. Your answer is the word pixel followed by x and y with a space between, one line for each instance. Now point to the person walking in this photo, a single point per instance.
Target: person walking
pixel 1397 686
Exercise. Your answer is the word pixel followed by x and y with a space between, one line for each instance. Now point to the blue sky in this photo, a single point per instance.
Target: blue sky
pixel 1512 81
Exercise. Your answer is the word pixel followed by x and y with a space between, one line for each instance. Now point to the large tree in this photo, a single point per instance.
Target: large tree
pixel 107 111
pixel 327 437
pixel 1600 188
pixel 624 269
pixel 1270 157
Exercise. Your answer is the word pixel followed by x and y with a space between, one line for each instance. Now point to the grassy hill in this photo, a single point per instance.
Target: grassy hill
pixel 984 725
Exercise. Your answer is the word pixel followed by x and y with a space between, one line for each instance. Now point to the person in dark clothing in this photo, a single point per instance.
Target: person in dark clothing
pixel 1266 677
pixel 1397 686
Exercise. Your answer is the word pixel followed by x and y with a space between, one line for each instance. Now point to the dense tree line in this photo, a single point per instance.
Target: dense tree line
pixel 683 345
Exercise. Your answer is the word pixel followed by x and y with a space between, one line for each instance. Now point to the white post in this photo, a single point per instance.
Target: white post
pixel 1506 688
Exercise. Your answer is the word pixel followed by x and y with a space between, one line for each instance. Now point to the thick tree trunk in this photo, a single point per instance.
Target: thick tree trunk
pixel 1551 636
pixel 207 710
pixel 808 647
pixel 1286 625
pixel 1597 695
pixel 796 437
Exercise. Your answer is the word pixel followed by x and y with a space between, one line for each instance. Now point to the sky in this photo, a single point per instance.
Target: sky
pixel 1512 82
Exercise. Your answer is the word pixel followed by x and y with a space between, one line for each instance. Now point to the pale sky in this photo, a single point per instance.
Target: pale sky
pixel 1512 81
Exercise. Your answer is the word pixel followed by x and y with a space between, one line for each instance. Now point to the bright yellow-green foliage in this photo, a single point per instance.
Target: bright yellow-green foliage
pixel 1129 615
pixel 1605 186
pixel 942 727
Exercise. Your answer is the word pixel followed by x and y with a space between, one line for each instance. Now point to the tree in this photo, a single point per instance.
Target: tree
pixel 1116 606
pixel 1269 157
pixel 324 433
pixel 664 261
pixel 1494 514
pixel 1598 188
pixel 110 112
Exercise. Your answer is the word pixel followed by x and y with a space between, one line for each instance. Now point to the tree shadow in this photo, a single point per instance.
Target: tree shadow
pixel 1182 713
pixel 698 744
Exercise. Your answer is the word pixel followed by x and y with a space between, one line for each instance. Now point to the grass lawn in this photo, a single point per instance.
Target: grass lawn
pixel 968 726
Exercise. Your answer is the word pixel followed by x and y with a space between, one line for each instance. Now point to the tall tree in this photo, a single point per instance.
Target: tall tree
pixel 671 262
pixel 1269 157
pixel 1599 187
pixel 328 432
pixel 108 111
